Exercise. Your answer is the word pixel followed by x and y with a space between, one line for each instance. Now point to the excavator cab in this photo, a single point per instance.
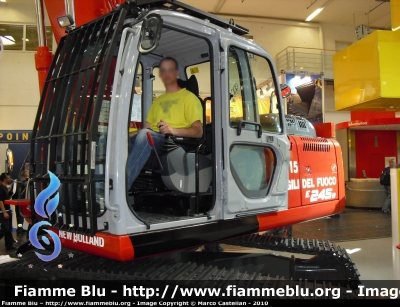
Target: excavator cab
pixel 230 182
pixel 181 183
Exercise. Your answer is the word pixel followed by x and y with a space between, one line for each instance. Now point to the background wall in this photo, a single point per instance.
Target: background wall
pixel 334 34
pixel 276 35
pixel 19 12
pixel 19 85
pixel 19 91
pixel 374 146
pixel 330 114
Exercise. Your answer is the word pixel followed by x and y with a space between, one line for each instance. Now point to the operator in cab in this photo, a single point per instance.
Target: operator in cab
pixel 177 112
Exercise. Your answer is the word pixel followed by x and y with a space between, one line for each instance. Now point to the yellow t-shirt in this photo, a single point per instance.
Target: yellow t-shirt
pixel 179 110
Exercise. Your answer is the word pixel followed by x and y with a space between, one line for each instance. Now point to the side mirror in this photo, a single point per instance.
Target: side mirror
pixel 285 90
pixel 151 33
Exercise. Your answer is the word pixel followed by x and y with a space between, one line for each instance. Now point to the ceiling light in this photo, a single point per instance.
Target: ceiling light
pixel 315 13
pixel 3 0
pixel 352 251
pixel 7 40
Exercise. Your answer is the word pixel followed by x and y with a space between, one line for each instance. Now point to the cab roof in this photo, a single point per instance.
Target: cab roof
pixel 189 10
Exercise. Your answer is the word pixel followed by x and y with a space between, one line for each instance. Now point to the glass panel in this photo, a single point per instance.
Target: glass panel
pixel 102 141
pixel 102 132
pixel 136 103
pixel 252 167
pixel 32 41
pixel 158 86
pixel 202 73
pixel 12 36
pixel 243 99
pixel 100 187
pixel 266 93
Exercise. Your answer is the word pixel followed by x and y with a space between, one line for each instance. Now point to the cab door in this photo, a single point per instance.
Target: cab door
pixel 256 150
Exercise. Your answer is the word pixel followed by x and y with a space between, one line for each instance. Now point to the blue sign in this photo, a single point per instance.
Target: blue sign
pixel 15 136
pixel 45 212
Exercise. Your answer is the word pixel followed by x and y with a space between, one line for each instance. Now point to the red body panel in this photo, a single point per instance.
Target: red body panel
pixel 318 169
pixel 102 244
pixel 294 195
pixel 325 130
pixel 315 166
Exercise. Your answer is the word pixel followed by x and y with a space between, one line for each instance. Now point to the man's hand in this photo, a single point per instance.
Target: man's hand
pixel 6 216
pixel 165 128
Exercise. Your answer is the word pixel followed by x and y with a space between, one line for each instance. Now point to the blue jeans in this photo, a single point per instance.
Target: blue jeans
pixel 141 151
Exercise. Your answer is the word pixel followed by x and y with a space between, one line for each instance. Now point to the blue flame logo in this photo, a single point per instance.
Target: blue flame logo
pixel 45 210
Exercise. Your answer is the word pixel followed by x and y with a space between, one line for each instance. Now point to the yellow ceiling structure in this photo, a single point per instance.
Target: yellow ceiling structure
pixel 367 73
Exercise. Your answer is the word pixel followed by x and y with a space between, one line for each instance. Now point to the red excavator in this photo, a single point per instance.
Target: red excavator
pixel 254 169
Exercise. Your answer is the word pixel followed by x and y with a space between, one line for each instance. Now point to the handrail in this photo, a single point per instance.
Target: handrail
pixel 309 48
pixel 308 59
pixel 120 63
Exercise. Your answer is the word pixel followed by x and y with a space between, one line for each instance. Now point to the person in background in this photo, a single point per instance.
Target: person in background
pixel 385 181
pixel 6 213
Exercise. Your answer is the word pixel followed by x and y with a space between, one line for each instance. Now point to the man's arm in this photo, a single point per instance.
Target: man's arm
pixel 194 131
pixel 3 209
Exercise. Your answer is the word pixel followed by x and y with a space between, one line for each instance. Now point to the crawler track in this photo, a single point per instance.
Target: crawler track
pixel 330 267
pixel 329 256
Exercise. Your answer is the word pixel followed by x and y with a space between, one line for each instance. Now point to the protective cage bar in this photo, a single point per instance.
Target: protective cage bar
pixel 65 138
pixel 192 11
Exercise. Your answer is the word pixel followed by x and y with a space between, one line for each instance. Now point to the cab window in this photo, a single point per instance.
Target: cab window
pixel 202 73
pixel 158 86
pixel 242 95
pixel 135 122
pixel 252 168
pixel 267 91
pixel 252 91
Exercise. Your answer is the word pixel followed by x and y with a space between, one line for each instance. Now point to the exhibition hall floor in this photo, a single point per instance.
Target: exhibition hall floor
pixel 365 234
